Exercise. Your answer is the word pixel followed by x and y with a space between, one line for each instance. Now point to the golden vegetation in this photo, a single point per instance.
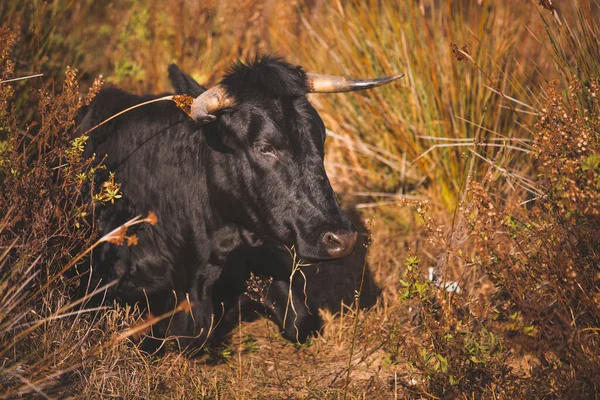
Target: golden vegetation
pixel 482 165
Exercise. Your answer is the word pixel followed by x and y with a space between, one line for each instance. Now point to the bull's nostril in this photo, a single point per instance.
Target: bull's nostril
pixel 332 240
pixel 339 244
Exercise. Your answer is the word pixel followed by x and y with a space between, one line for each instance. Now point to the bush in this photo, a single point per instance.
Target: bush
pixel 43 224
pixel 545 259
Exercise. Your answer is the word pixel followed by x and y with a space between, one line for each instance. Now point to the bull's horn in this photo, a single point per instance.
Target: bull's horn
pixel 332 84
pixel 205 105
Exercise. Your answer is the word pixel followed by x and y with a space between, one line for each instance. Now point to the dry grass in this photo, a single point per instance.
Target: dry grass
pixel 473 165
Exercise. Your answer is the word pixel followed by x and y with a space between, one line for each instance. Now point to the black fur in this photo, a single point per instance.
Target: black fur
pixel 267 77
pixel 223 193
pixel 184 84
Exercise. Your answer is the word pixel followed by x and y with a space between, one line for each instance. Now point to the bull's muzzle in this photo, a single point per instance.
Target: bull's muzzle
pixel 341 243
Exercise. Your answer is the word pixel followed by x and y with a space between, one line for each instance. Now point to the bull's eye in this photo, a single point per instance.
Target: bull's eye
pixel 265 149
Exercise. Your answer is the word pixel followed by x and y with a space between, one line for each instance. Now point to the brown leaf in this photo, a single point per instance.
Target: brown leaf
pixel 117 237
pixel 152 219
pixel 184 102
pixel 460 53
pixel 547 4
pixel 132 240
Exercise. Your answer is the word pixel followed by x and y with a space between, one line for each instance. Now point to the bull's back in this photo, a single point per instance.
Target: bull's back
pixel 111 101
pixel 152 150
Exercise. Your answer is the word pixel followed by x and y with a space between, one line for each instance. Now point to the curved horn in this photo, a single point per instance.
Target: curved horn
pixel 214 99
pixel 333 84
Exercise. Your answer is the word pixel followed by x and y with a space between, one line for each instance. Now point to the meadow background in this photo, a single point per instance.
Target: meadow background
pixel 481 167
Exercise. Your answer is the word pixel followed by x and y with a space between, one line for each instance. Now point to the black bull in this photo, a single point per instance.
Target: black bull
pixel 242 177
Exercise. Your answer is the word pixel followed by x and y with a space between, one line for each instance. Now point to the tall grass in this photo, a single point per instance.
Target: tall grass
pixel 422 128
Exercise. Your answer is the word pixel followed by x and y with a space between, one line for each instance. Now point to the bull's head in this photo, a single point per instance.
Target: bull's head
pixel 267 169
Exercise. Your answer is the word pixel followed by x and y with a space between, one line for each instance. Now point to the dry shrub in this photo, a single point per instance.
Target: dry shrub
pixel 42 176
pixel 43 225
pixel 529 328
pixel 452 349
pixel 545 259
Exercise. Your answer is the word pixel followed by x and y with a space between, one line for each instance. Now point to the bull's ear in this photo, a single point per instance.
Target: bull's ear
pixel 183 83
